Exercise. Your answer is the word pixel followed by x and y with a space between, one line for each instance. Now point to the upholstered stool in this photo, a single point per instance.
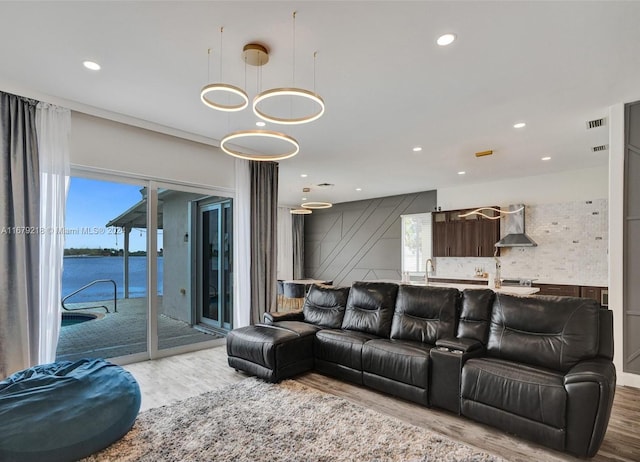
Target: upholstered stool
pixel 294 294
pixel 65 411
pixel 272 353
pixel 280 294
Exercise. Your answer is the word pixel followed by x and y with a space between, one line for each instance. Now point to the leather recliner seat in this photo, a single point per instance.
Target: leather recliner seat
pixel 543 377
pixel 367 317
pixel 399 365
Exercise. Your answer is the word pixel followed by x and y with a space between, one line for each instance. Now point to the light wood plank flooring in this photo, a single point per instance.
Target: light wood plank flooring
pixel 171 379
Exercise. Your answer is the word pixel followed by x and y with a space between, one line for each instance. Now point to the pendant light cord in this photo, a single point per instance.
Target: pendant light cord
pixel 293 78
pixel 315 55
pixel 221 30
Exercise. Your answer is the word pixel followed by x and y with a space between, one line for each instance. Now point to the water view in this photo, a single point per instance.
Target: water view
pixel 79 271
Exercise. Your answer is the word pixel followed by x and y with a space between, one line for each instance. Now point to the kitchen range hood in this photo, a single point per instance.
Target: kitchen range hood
pixel 514 229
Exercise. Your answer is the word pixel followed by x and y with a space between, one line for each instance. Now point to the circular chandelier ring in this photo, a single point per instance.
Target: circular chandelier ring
pixel 259 133
pixel 297 92
pixel 223 87
pixel 300 211
pixel 317 205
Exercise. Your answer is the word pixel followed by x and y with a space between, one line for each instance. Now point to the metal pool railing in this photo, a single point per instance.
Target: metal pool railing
pixel 92 283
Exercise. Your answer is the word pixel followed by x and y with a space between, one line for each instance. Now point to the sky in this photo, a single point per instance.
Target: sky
pixel 91 204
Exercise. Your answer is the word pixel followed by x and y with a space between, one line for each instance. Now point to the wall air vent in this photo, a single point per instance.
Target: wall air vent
pixel 602 147
pixel 595 123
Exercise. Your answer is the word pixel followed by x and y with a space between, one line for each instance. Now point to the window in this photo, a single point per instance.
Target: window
pixel 416 242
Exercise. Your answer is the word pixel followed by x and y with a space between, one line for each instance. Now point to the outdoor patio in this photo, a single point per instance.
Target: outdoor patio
pixel 123 332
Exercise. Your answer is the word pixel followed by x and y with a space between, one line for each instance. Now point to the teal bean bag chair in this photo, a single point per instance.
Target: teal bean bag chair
pixel 65 411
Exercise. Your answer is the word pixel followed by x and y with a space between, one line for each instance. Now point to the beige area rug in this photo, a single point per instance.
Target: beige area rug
pixel 256 421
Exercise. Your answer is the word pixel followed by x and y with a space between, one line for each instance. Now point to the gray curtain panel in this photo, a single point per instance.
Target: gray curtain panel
pixel 264 228
pixel 297 223
pixel 19 239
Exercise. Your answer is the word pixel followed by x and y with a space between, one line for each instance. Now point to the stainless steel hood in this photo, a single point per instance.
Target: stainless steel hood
pixel 514 229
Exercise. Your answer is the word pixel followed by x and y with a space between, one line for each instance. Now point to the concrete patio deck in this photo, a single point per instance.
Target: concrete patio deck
pixel 122 333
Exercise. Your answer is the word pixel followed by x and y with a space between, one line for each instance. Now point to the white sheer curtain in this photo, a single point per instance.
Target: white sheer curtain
pixel 242 245
pixel 53 126
pixel 285 244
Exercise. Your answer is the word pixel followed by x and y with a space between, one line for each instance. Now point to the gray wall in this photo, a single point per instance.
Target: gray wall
pixel 632 241
pixel 359 241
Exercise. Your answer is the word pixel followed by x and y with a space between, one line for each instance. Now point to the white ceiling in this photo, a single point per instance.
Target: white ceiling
pixel 386 84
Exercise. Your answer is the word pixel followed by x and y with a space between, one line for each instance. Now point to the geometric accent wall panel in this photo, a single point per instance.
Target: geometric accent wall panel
pixel 356 241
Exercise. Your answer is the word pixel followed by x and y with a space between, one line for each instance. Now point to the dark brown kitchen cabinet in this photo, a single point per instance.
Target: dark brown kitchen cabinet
pixel 439 246
pixel 592 292
pixel 464 236
pixel 475 282
pixel 558 289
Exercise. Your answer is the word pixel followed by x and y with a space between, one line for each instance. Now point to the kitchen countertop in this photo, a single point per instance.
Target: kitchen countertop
pixel 511 290
pixel 535 280
pixel 461 278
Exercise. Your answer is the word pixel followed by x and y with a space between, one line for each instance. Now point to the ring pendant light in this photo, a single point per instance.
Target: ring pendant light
pixel 290 92
pixel 300 211
pixel 223 88
pixel 260 134
pixel 316 205
pixel 297 92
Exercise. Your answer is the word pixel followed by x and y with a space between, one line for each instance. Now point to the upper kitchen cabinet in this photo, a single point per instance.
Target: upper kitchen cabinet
pixel 442 234
pixel 465 236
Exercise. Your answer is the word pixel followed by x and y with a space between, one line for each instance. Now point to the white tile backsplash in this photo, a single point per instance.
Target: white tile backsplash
pixel 572 238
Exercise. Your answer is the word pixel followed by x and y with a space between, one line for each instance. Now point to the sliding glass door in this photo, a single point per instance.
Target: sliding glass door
pixel 147 269
pixel 215 251
pixel 104 282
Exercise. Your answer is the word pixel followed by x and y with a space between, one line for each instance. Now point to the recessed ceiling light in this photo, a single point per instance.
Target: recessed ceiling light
pixel 91 65
pixel 303 175
pixel 462 173
pixel 358 189
pixel 417 148
pixel 304 198
pixel 260 123
pixel 446 39
pixel 519 125
pixel 546 158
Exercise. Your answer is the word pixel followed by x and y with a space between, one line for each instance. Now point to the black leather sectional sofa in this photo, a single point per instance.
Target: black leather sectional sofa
pixel 538 367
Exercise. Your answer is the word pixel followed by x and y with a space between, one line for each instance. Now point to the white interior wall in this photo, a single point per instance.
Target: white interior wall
pixel 101 144
pixel 574 185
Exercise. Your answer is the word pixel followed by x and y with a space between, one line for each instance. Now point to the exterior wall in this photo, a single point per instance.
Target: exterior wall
pixel 360 240
pixel 175 304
